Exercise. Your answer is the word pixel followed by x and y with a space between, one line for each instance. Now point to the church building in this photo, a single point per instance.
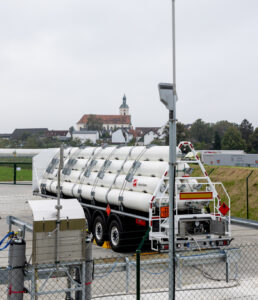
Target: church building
pixel 110 122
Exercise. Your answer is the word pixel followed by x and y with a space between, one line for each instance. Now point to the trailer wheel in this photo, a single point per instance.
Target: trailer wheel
pixel 99 230
pixel 115 235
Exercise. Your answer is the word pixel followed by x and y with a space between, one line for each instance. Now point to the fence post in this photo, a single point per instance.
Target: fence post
pixel 211 171
pixel 138 265
pixel 138 274
pixel 14 173
pixel 247 196
pixel 127 270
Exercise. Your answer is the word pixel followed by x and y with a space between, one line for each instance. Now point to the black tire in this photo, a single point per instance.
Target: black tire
pixel 88 219
pixel 99 230
pixel 115 233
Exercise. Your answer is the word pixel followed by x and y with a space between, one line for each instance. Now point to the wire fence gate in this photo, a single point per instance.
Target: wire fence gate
pixel 230 273
pixel 18 172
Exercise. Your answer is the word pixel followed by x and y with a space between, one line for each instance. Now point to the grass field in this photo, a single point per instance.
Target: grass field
pixel 234 180
pixel 6 173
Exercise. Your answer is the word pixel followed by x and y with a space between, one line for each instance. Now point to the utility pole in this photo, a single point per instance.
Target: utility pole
pixel 58 206
pixel 172 165
pixel 168 96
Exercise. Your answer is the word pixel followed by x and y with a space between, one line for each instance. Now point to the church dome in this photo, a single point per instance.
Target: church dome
pixel 124 105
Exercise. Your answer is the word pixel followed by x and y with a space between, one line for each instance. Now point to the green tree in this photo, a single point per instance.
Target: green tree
pixel 88 143
pixel 254 141
pixel 94 123
pixel 217 141
pixel 232 140
pixel 71 131
pixel 246 129
pixel 202 132
pixel 4 143
pixel 222 126
pixel 132 142
pixel 166 133
pixel 182 133
pixel 33 142
pixel 157 142
pixel 74 143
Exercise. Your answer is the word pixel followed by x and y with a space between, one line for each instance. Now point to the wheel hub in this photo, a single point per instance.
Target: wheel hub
pixel 114 236
pixel 98 231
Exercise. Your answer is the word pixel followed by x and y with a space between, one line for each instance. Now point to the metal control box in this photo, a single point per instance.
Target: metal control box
pixel 72 231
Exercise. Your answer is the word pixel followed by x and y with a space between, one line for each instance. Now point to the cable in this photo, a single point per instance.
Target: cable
pixel 11 233
pixel 109 272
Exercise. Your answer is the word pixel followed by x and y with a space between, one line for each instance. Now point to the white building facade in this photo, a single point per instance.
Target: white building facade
pixel 84 135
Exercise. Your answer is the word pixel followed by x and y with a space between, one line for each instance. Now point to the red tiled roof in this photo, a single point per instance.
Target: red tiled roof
pixel 135 133
pixel 107 119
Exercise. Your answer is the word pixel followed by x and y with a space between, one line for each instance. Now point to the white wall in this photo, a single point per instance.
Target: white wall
pixel 149 137
pixel 113 126
pixel 118 137
pixel 93 137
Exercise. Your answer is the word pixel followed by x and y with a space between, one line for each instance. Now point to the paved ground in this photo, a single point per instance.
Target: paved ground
pixel 13 201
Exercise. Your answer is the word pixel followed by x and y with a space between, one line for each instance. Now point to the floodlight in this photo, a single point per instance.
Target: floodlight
pixel 166 95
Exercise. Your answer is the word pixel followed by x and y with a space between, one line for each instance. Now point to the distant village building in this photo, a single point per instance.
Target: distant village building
pixel 21 132
pixel 148 134
pixel 121 136
pixel 5 136
pixel 58 134
pixel 149 137
pixel 110 122
pixel 230 158
pixel 84 135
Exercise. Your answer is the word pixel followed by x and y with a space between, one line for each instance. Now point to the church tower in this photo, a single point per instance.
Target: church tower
pixel 124 108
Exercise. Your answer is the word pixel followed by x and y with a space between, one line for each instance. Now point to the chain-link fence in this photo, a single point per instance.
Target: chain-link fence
pixel 230 273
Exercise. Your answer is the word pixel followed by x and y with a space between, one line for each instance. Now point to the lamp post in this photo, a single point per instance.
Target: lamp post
pixel 168 96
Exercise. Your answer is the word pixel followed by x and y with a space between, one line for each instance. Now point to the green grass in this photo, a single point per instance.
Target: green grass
pixel 234 180
pixel 6 173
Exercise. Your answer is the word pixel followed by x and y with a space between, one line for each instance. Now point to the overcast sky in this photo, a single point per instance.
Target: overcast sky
pixel 60 59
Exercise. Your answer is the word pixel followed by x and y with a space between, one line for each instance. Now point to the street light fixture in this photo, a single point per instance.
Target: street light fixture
pixel 168 96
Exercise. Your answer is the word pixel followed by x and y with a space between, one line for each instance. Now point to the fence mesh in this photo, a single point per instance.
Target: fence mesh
pixel 230 273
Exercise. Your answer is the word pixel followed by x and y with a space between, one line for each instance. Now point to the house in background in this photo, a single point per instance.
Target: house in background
pixel 60 135
pixel 121 136
pixel 148 134
pixel 84 135
pixel 21 132
pixel 149 137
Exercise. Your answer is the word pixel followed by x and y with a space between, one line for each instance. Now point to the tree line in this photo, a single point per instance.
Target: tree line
pixel 222 135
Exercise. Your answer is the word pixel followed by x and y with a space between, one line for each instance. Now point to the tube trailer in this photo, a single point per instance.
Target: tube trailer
pixel 124 191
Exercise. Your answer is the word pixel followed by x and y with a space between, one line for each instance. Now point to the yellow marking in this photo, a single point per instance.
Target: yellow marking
pixel 106 244
pixel 204 195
